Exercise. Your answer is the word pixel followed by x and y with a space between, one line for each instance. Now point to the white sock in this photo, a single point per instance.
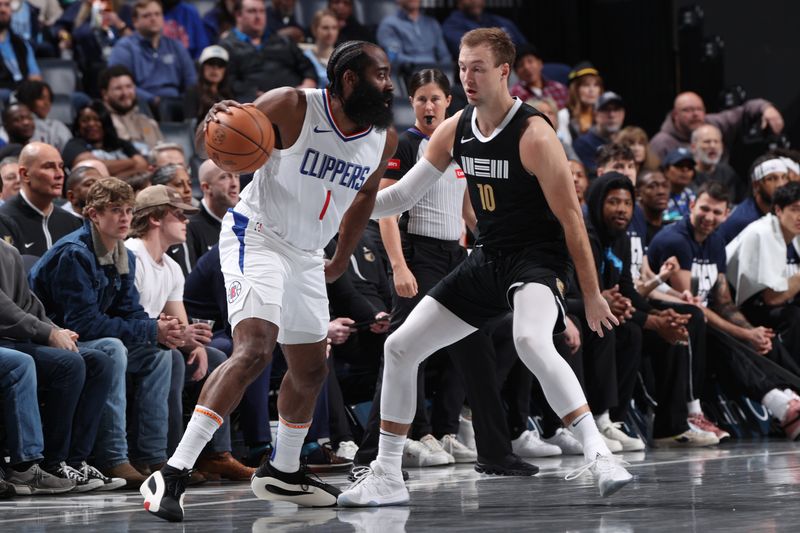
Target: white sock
pixel 777 401
pixel 201 428
pixel 602 420
pixel 694 407
pixel 791 394
pixel 289 442
pixel 585 429
pixel 390 452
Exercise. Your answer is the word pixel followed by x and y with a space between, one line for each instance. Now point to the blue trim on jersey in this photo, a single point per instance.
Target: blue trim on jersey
pixel 240 223
pixel 341 135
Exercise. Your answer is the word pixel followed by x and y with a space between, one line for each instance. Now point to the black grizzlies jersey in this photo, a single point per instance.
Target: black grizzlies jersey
pixel 509 202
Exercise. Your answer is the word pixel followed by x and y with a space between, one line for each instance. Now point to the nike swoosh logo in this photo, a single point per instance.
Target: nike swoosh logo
pixel 317 130
pixel 463 140
pixel 284 492
pixel 174 250
pixel 29 244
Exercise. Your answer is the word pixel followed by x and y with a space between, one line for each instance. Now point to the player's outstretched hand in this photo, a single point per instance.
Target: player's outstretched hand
pixel 598 314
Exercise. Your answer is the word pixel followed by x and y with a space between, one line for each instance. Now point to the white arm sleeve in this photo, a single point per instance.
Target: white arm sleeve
pixel 399 197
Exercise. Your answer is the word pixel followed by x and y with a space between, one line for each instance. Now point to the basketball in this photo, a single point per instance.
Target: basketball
pixel 241 141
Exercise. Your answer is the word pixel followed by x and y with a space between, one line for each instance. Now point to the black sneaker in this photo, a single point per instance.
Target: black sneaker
pixel 301 487
pixel 109 483
pixel 510 465
pixel 163 493
pixel 82 483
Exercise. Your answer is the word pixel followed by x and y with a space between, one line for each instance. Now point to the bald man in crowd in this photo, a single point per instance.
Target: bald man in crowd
pixel 40 221
pixel 220 192
pixel 689 113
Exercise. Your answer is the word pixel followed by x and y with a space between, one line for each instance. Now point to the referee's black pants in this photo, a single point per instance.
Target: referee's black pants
pixel 430 260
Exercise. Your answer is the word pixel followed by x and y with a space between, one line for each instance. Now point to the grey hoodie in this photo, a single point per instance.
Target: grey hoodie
pixel 22 315
pixel 729 122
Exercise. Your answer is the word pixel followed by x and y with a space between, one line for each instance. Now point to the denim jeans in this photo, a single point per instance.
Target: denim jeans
pixel 221 441
pixel 149 368
pixel 73 386
pixel 20 406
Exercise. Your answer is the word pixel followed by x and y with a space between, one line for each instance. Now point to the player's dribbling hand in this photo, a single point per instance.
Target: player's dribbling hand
pixel 333 271
pixel 220 107
pixel 598 314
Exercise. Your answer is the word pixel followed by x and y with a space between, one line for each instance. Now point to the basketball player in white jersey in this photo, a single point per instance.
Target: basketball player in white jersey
pixel 322 177
pixel 529 224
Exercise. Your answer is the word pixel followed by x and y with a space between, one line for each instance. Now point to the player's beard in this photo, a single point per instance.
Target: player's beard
pixel 368 106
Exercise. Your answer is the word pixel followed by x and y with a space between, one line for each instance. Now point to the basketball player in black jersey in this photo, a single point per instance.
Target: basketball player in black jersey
pixel 529 224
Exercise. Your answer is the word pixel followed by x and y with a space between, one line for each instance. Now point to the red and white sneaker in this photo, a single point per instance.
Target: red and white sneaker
pixel 791 420
pixel 700 422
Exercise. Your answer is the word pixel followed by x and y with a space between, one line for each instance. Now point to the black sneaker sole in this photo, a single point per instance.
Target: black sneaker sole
pixel 506 470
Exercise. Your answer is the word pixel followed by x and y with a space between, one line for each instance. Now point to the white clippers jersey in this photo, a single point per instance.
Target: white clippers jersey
pixel 302 192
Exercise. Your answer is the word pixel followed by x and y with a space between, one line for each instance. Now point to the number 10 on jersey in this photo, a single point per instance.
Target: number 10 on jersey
pixel 486 193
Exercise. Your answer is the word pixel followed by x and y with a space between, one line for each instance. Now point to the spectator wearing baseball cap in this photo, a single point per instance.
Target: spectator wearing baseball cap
pixel 212 83
pixel 159 222
pixel 678 166
pixel 528 67
pixel 585 87
pixel 609 117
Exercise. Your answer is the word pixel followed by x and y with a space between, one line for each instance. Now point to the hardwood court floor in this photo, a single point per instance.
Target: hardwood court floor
pixel 742 486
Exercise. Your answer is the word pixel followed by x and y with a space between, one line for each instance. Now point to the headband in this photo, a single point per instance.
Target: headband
pixel 771 166
pixel 791 165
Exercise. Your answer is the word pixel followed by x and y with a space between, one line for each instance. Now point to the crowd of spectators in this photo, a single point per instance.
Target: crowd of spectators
pixel 113 309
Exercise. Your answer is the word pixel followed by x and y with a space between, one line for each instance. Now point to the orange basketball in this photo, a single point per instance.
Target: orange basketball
pixel 241 141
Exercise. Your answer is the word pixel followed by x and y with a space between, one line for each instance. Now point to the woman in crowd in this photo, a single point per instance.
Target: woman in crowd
pixel 212 83
pixel 325 30
pixel 636 139
pixel 96 138
pixel 585 87
pixel 38 96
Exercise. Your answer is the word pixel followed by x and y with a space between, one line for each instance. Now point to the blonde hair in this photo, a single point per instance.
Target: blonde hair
pixel 318 16
pixel 108 192
pixel 496 39
pixel 577 108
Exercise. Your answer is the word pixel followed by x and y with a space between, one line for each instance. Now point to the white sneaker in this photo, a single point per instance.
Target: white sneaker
pixel 530 445
pixel 416 455
pixel 565 440
pixel 435 447
pixel 614 431
pixel 609 471
pixel 614 446
pixel 460 453
pixel 347 450
pixel 374 487
pixel 466 433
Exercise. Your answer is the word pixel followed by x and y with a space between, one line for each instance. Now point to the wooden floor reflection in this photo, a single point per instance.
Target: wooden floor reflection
pixel 750 486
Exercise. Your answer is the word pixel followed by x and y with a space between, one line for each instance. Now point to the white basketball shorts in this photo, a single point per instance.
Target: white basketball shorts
pixel 269 279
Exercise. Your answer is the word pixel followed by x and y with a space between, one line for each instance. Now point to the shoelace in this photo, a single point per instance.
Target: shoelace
pixel 72 473
pixel 360 473
pixel 91 472
pixel 599 460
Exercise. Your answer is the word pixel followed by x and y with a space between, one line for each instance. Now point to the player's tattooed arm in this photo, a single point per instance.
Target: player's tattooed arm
pixel 724 306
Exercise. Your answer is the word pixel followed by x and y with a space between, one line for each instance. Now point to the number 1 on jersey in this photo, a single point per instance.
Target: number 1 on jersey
pixel 325 206
pixel 486 193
